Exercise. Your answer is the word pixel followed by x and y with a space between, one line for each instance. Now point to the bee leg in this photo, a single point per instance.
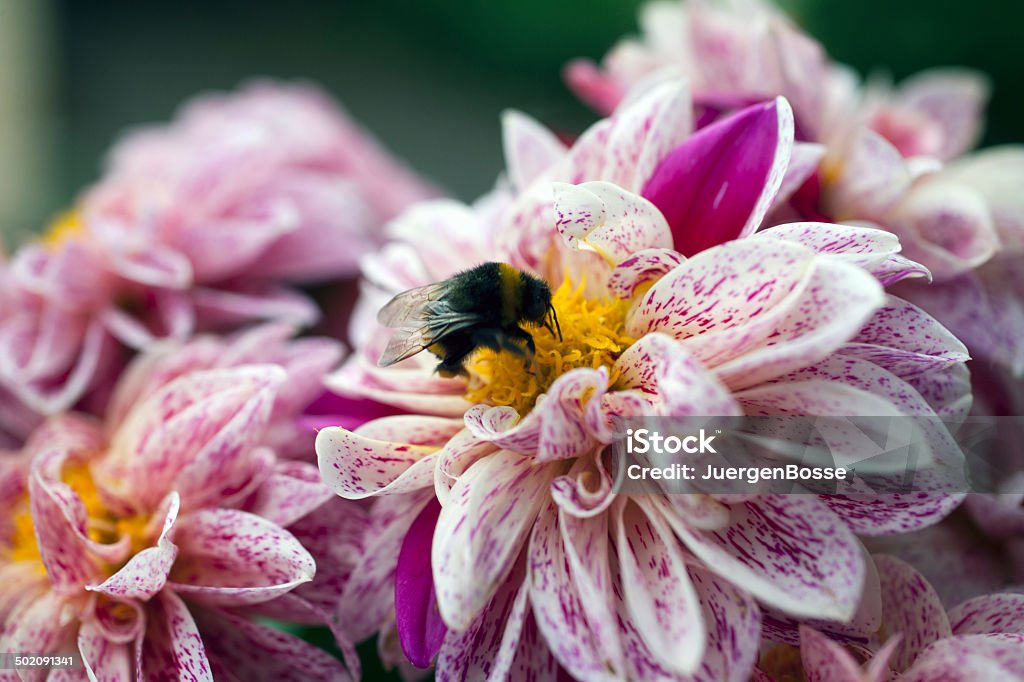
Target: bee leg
pixel 517 339
pixel 446 369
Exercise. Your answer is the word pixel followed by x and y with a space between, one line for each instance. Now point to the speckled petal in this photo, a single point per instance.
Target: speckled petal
pixel 910 607
pixel 640 268
pixel 720 183
pixel 293 490
pixel 989 614
pixel 530 148
pixel 368 596
pixel 195 426
pixel 602 217
pixel 873 249
pixel 105 661
pixel 230 557
pixel 996 173
pixel 714 297
pixel 789 551
pixel 826 661
pixel 356 467
pixel 482 529
pixel 492 647
pixel 172 647
pixel 954 99
pixel 576 631
pixel 945 226
pixel 60 524
pixel 832 305
pixel 146 572
pixel 658 594
pixel 969 658
pixel 644 132
pixel 247 650
pixel 660 365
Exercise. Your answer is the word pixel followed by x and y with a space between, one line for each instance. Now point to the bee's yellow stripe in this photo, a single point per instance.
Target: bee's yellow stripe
pixel 510 292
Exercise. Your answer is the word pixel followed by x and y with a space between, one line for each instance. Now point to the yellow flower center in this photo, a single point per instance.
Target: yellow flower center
pixel 101 524
pixel 593 335
pixel 64 227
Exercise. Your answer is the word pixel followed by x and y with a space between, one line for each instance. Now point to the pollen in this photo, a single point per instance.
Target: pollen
pixel 593 335
pixel 66 226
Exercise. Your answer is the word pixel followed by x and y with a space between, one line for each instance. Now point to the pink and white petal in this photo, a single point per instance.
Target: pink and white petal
pixel 60 524
pixel 146 571
pixel 996 173
pixel 230 307
pixel 945 226
pixel 481 530
pixel 738 163
pixel 244 649
pixel 104 660
pixel 858 631
pixel 356 467
pixel 910 607
pixel 155 266
pixel 588 83
pixel 983 308
pixel 790 552
pixel 967 658
pixel 564 425
pixel 657 592
pixel 530 148
pixel 574 630
pixel 873 249
pixel 712 298
pixel 659 364
pixel 906 340
pixel 803 163
pixel 490 647
pixel 954 99
pixel 733 622
pixel 644 132
pixel 604 218
pixel 197 430
pixel 835 302
pixel 989 614
pixel 39 623
pixel 826 661
pixel 586 490
pixel 232 558
pixel 872 178
pixel 172 646
pixel 641 267
pixel 399 388
pixel 413 429
pixel 293 490
pixel 586 544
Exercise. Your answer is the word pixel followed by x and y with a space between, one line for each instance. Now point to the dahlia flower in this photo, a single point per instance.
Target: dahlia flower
pixel 893 156
pixel 148 542
pixel 205 223
pixel 979 639
pixel 670 303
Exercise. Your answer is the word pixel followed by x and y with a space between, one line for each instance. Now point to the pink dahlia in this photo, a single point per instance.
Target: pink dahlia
pixel 147 543
pixel 670 303
pixel 918 641
pixel 893 156
pixel 206 223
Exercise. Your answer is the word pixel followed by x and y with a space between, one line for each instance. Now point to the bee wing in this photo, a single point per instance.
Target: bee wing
pixel 422 317
pixel 409 305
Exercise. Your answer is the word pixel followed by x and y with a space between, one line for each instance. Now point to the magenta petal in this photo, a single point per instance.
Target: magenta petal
pixel 718 185
pixel 420 628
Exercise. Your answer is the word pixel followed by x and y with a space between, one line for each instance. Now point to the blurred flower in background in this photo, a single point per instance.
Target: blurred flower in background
pixel 205 224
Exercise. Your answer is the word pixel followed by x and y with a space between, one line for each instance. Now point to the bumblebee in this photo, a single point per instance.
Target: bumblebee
pixel 484 307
